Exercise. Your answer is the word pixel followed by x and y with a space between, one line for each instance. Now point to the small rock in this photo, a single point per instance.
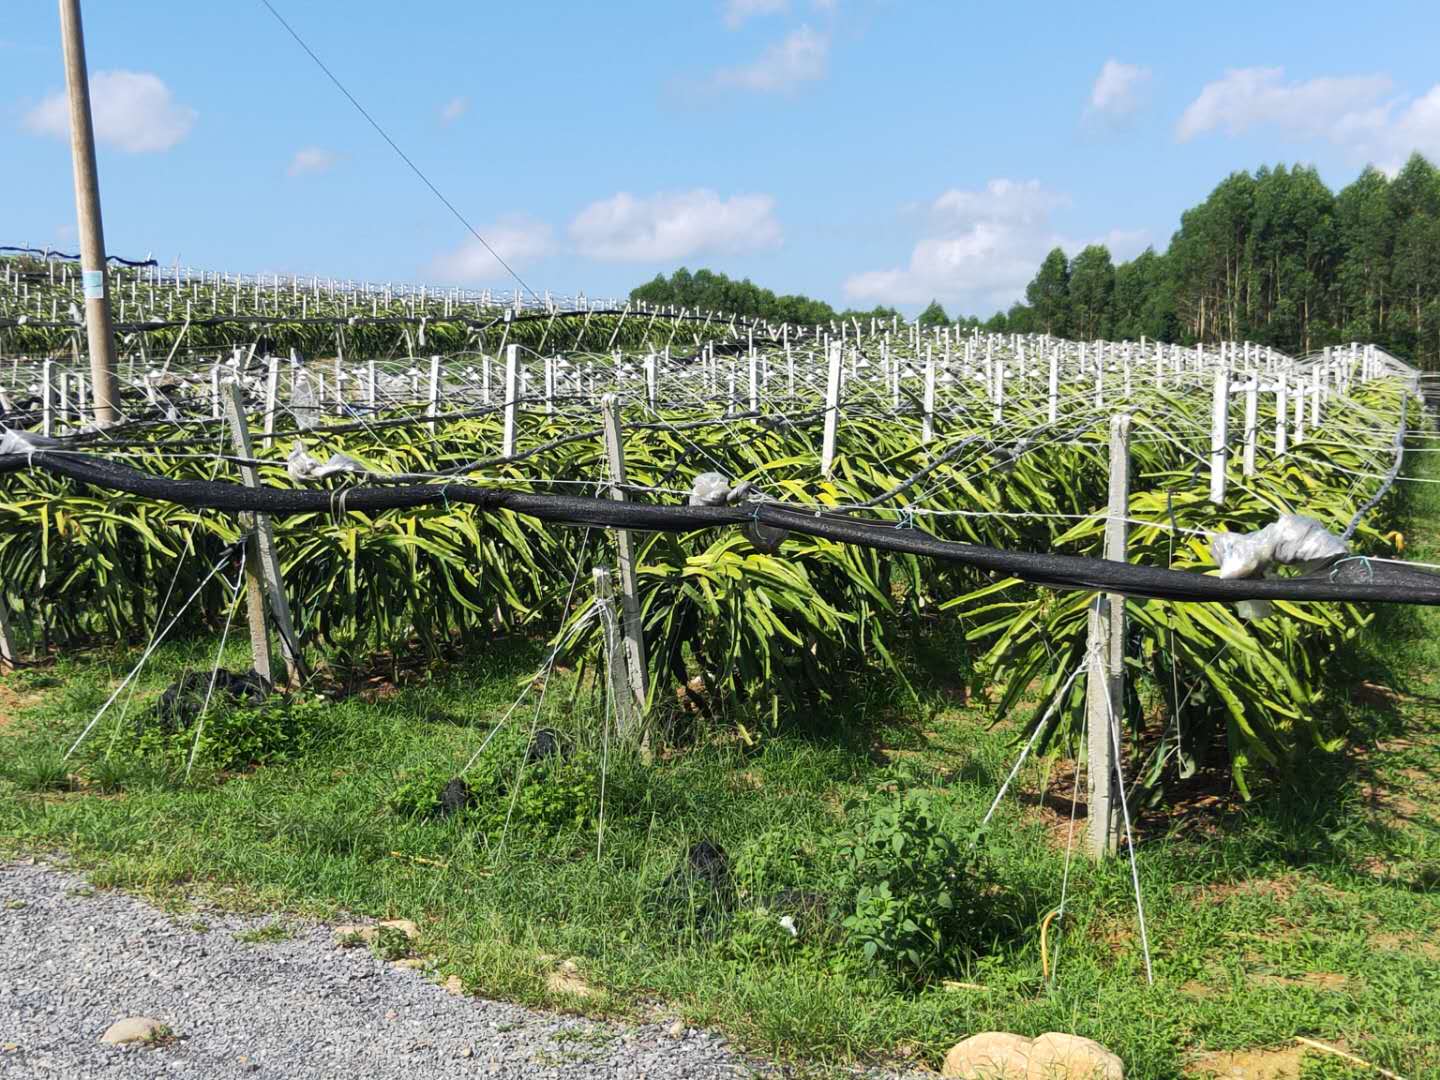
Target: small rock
pixel 354 935
pixel 991 1055
pixel 467 1051
pixel 1057 1055
pixel 567 981
pixel 134 1029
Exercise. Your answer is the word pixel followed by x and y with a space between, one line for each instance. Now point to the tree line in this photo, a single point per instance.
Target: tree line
pixel 711 291
pixel 1272 256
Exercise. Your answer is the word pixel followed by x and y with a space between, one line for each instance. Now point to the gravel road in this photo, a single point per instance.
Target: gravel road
pixel 73 960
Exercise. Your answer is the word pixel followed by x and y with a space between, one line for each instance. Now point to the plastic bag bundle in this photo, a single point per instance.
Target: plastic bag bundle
pixel 301 466
pixel 24 442
pixel 1304 542
pixel 713 489
pixel 304 401
pixel 1290 540
pixel 710 489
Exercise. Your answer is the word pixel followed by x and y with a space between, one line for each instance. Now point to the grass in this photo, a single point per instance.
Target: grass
pixel 1311 911
pixel 265 935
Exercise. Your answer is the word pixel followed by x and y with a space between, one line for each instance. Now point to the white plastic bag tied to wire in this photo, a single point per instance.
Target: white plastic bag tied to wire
pixel 304 402
pixel 1290 540
pixel 301 466
pixel 713 489
pixel 24 442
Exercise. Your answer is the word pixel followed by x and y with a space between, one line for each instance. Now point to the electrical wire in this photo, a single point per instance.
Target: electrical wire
pixel 403 156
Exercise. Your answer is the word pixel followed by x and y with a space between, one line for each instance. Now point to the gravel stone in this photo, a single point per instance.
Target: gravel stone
pixel 74 960
pixel 134 1029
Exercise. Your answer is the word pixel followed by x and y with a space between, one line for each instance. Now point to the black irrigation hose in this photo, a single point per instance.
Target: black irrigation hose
pixel 76 258
pixel 280 502
pixel 1348 580
pixel 1390 477
pixel 1353 580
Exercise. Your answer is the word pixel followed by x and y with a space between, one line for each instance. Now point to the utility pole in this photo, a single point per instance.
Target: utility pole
pixel 87 205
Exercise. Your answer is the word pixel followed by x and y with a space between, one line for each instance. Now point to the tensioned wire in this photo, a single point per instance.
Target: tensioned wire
pixel 165 603
pixel 941 406
pixel 154 644
pixel 986 446
pixel 543 675
pixel 1114 727
pixel 639 488
pixel 363 424
pixel 215 670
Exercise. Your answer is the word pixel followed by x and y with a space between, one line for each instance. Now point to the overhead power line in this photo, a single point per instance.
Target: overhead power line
pixel 394 146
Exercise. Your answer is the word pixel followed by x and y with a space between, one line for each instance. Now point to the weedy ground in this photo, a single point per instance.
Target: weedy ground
pixel 1312 910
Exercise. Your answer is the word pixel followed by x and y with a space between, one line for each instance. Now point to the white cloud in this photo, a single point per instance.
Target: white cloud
pixel 675 225
pixel 1253 97
pixel 1416 128
pixel 132 111
pixel 1118 91
pixel 454 109
pixel 1022 202
pixel 516 239
pixel 1360 114
pixel 738 11
pixel 983 247
pixel 311 160
pixel 799 58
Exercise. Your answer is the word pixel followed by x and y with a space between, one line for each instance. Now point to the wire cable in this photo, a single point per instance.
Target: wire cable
pixel 393 146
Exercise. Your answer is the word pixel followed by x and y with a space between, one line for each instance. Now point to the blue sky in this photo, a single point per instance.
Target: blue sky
pixel 860 151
